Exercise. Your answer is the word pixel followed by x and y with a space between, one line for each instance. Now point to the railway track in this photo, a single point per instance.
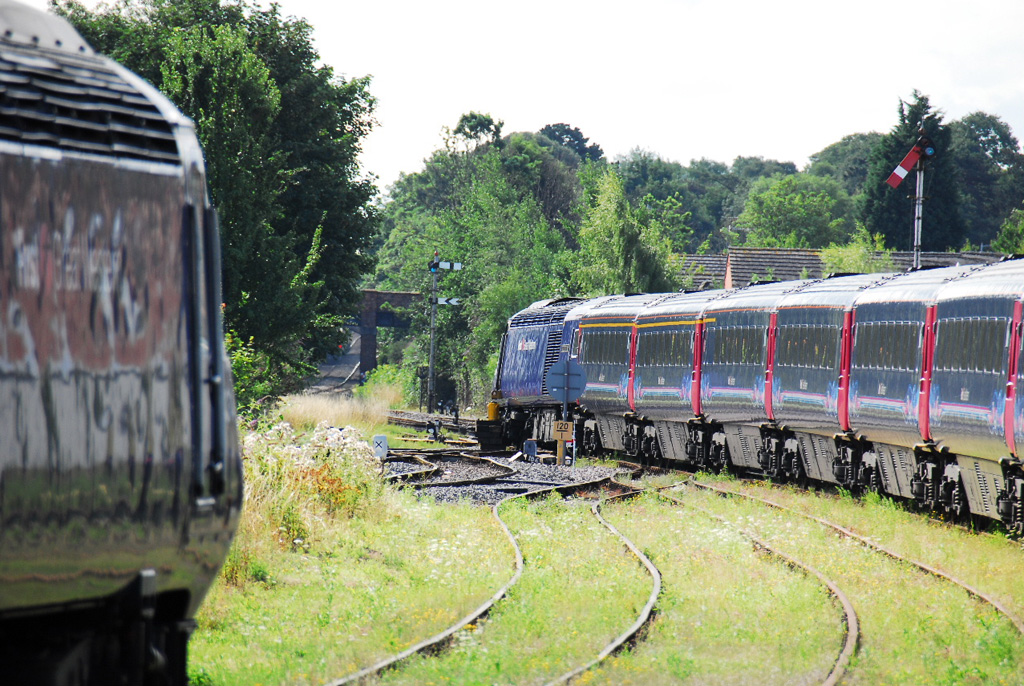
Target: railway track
pixel 455 475
pixel 439 641
pixel 851 623
pixel 877 547
pixel 422 420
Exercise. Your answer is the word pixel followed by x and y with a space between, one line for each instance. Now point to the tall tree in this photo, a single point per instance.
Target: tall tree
pixel 572 138
pixel 990 170
pixel 846 161
pixel 620 249
pixel 295 208
pixel 890 212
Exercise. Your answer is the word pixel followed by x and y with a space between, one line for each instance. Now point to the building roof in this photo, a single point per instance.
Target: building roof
pixel 760 265
pixel 741 265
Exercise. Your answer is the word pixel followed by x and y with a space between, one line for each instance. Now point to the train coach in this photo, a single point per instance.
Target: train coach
pixel 904 383
pixel 120 475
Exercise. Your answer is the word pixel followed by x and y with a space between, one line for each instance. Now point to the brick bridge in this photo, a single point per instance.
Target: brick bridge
pixel 371 317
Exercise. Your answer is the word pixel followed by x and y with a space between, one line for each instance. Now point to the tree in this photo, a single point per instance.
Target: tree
pixel 846 161
pixel 796 211
pixel 990 172
pixel 476 128
pixel 890 212
pixel 572 138
pixel 296 216
pixel 621 250
pixel 862 253
pixel 1011 234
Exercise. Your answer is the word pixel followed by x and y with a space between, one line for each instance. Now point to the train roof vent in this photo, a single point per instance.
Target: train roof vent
pixel 544 315
pixel 77 103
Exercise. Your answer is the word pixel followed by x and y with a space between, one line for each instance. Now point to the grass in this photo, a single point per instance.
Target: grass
pixel 579 590
pixel 367 414
pixel 333 570
pixel 727 614
pixel 916 629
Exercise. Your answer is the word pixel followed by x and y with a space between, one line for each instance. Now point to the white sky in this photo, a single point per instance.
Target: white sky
pixel 684 79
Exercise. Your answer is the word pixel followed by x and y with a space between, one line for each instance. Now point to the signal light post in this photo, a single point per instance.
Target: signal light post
pixel 435 265
pixel 922 150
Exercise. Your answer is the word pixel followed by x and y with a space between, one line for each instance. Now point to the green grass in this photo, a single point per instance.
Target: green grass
pixel 373 587
pixel 727 614
pixel 915 628
pixel 579 590
pixel 333 570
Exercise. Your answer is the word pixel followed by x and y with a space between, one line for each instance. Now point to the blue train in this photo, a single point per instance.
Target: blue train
pixel 120 472
pixel 905 384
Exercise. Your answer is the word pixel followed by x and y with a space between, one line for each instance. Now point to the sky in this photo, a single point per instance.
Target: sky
pixel 684 79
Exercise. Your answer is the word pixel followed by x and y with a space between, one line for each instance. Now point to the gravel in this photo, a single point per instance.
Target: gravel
pixel 528 477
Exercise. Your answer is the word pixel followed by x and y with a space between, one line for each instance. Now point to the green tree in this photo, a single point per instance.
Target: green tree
pixel 621 249
pixel 572 138
pixel 796 211
pixel 990 171
pixel 890 212
pixel 862 253
pixel 295 213
pixel 1011 234
pixel 846 161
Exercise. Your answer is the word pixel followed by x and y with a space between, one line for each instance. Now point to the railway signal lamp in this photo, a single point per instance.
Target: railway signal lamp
pixel 926 146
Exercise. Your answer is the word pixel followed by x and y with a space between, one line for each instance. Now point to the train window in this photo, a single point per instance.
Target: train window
pixel 887 345
pixel 738 345
pixel 807 346
pixel 972 344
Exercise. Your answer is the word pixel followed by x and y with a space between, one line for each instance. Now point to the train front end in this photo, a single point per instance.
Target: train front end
pixel 120 475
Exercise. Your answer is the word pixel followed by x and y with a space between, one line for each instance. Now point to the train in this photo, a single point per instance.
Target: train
pixel 120 467
pixel 905 383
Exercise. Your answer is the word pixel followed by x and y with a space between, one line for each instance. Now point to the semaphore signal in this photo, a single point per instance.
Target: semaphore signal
pixel 923 148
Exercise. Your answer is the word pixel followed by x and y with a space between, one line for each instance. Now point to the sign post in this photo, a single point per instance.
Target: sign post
pixel 566 381
pixel 434 265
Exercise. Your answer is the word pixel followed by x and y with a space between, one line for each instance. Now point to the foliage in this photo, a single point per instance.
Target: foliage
pixel 796 211
pixel 622 249
pixel 990 173
pixel 846 161
pixel 862 253
pixel 386 377
pixel 890 212
pixel 295 216
pixel 572 138
pixel 1011 234
pixel 259 378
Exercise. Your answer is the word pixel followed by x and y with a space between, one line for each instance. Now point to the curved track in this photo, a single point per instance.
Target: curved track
pixel 440 640
pixel 851 621
pixel 928 569
pixel 646 614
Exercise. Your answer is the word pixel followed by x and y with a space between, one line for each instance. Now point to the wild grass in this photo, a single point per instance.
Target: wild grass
pixel 366 412
pixel 331 570
pixel 307 411
pixel 992 563
pixel 726 614
pixel 915 628
pixel 579 590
